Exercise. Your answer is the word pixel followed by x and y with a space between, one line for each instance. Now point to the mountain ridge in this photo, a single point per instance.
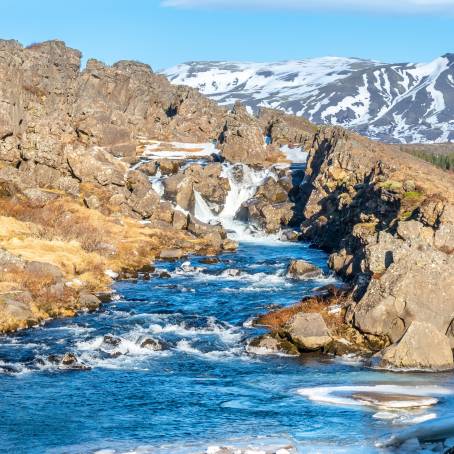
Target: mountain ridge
pixel 392 102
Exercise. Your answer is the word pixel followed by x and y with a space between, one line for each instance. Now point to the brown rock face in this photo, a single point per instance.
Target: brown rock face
pixel 286 129
pixel 421 347
pixel 270 208
pixel 243 140
pixel 68 195
pixel 308 331
pixel 300 269
pixel 417 287
pixel 388 220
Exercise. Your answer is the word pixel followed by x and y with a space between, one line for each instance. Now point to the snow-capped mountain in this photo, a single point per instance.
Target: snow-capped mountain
pixel 405 102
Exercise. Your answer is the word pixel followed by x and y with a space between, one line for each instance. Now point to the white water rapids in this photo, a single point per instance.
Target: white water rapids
pixel 244 182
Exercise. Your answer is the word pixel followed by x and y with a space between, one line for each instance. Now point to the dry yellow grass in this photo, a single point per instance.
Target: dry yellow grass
pixel 84 244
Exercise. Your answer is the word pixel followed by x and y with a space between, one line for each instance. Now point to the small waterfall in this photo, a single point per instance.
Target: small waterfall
pixel 156 183
pixel 201 209
pixel 244 182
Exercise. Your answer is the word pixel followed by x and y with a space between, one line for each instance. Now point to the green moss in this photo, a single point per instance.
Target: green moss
pixel 413 195
pixel 406 215
pixel 391 185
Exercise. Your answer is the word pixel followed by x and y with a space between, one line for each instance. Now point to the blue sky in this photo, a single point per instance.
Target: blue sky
pixel 164 33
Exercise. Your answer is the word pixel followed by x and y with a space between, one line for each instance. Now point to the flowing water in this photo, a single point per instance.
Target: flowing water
pixel 206 387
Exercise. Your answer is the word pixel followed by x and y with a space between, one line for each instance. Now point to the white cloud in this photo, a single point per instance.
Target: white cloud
pixel 382 6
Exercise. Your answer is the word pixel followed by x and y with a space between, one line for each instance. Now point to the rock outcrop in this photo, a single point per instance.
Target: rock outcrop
pixel 307 331
pixel 300 269
pixel 421 347
pixel 77 205
pixel 69 196
pixel 387 219
pixel 242 140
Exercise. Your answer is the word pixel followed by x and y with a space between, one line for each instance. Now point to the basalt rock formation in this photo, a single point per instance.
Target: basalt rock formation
pixel 78 206
pixel 75 210
pixel 388 221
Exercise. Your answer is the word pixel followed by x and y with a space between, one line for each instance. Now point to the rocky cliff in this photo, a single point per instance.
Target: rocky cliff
pixel 75 207
pixel 78 205
pixel 388 221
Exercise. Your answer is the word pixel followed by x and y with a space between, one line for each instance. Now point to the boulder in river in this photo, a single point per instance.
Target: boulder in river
pixel 270 344
pixel 152 344
pixel 308 331
pixel 421 347
pixel 300 269
pixel 69 361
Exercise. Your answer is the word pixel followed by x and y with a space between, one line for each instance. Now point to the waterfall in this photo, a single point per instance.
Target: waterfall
pixel 244 182
pixel 156 183
pixel 201 209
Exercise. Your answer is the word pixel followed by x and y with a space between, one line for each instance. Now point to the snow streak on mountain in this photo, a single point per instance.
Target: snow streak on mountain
pixel 391 102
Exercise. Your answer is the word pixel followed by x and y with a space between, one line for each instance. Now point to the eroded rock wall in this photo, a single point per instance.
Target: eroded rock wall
pixel 388 221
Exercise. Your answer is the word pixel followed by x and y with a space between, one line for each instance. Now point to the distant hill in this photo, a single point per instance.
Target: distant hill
pixel 397 103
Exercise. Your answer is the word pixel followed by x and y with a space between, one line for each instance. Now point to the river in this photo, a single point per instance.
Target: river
pixel 205 387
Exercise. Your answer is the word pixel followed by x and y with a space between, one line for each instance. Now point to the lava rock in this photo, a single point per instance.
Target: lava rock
pixel 307 331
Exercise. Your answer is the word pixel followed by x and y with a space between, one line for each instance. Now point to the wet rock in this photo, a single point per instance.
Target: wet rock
pixel 229 245
pixel 16 311
pixel 231 272
pixel 421 347
pixel 179 189
pixel 209 260
pixel 69 361
pixel 308 331
pixel 300 269
pixel 209 183
pixel 289 235
pixel 149 168
pixel 165 275
pixel 111 340
pixel 153 344
pixel 272 344
pixel 199 228
pixel 169 166
pixel 270 217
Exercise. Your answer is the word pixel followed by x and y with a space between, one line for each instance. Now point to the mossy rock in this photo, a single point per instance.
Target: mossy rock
pixel 391 185
pixel 413 195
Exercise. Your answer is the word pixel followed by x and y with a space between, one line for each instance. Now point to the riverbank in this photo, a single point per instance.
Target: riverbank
pixel 56 258
pixel 168 368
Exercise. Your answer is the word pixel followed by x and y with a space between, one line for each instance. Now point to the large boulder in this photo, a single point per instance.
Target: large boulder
pixel 300 269
pixel 308 331
pixel 265 215
pixel 16 311
pixel 406 293
pixel 272 344
pixel 209 183
pixel 421 347
pixel 97 166
pixel 243 140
